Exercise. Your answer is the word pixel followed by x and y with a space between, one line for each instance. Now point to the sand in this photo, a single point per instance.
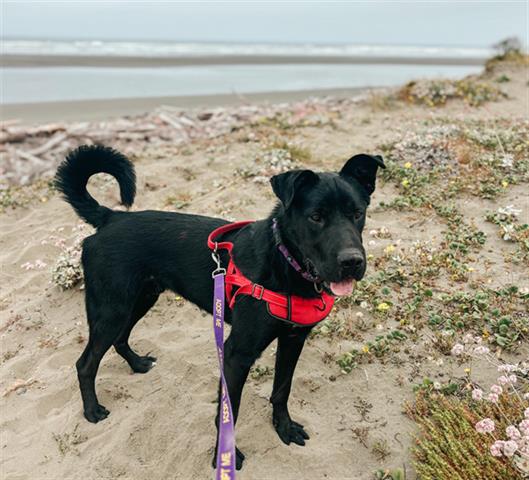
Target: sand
pixel 132 61
pixel 117 107
pixel 161 423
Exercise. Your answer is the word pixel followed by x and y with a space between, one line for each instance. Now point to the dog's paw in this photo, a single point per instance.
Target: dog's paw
pixel 143 364
pixel 96 414
pixel 238 460
pixel 290 431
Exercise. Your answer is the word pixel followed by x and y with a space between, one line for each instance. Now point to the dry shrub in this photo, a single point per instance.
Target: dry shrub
pixel 450 448
pixel 435 93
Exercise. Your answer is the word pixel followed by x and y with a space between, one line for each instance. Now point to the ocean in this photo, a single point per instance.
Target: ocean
pixel 62 83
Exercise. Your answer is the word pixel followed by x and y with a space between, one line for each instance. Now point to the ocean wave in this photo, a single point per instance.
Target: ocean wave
pixel 185 49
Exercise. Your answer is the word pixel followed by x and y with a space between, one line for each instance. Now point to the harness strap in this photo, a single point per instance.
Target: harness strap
pixel 254 290
pixel 293 309
pixel 213 245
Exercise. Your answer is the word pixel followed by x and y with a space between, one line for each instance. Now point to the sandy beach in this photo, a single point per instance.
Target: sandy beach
pixel 213 155
pixel 117 107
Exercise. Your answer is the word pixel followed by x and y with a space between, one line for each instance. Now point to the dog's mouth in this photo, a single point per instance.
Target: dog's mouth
pixel 343 287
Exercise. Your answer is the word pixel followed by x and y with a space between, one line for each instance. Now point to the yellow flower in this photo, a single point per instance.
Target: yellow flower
pixel 389 249
pixel 407 165
pixel 365 349
pixel 486 333
pixel 504 183
pixel 467 371
pixel 370 256
pixel 405 183
pixel 383 307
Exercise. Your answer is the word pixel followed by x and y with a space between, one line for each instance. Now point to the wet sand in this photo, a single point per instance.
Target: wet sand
pixel 132 61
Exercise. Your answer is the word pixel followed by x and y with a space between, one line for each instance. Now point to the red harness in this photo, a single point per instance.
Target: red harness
pixel 291 308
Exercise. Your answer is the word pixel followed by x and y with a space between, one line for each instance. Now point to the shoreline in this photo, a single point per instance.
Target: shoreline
pixel 102 109
pixel 27 61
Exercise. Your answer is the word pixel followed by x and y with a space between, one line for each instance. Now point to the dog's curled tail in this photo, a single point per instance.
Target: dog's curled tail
pixel 85 161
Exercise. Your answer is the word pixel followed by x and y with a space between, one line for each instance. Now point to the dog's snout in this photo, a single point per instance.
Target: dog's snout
pixel 351 260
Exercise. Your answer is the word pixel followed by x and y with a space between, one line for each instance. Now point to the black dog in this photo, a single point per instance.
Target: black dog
pixel 134 256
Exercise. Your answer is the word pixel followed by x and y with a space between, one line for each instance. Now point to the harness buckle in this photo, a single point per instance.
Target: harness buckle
pixel 216 258
pixel 259 295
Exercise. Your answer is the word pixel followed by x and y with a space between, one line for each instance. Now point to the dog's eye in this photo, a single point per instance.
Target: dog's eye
pixel 358 215
pixel 316 217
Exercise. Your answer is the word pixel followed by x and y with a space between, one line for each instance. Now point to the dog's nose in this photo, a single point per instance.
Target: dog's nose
pixel 351 260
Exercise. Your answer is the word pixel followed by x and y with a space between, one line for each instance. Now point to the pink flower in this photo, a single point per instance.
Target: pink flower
pixel 493 397
pixel 526 413
pixel 477 394
pixel 485 426
pixel 457 349
pixel 496 448
pixel 512 378
pixel 496 389
pixel 513 433
pixel 509 448
pixel 524 426
pixel 503 380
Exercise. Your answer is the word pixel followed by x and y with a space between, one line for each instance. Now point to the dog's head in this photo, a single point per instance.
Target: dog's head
pixel 323 215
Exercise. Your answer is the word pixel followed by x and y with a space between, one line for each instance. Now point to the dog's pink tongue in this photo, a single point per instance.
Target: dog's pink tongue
pixel 342 288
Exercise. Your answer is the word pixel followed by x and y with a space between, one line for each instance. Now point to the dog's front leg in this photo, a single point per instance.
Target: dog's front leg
pixel 289 348
pixel 244 345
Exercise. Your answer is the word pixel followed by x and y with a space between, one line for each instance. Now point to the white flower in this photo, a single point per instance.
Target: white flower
pixel 457 349
pixel 507 161
pixel 481 350
pixel 509 210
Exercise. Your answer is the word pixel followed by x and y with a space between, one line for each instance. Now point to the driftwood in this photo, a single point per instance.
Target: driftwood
pixel 28 151
pixel 59 138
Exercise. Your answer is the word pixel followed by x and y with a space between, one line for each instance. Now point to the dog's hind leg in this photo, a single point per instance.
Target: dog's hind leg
pixel 104 329
pixel 138 363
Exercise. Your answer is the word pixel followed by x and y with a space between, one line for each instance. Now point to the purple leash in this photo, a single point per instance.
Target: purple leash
pixel 226 428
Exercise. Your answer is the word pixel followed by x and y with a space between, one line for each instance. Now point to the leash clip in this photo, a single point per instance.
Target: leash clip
pixel 216 258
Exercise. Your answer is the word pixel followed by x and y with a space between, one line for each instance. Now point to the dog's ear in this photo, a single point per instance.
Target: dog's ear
pixel 363 168
pixel 286 185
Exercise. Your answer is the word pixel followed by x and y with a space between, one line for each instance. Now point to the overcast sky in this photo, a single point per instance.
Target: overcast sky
pixel 478 23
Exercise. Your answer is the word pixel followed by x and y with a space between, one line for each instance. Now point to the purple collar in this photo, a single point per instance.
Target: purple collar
pixel 289 258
